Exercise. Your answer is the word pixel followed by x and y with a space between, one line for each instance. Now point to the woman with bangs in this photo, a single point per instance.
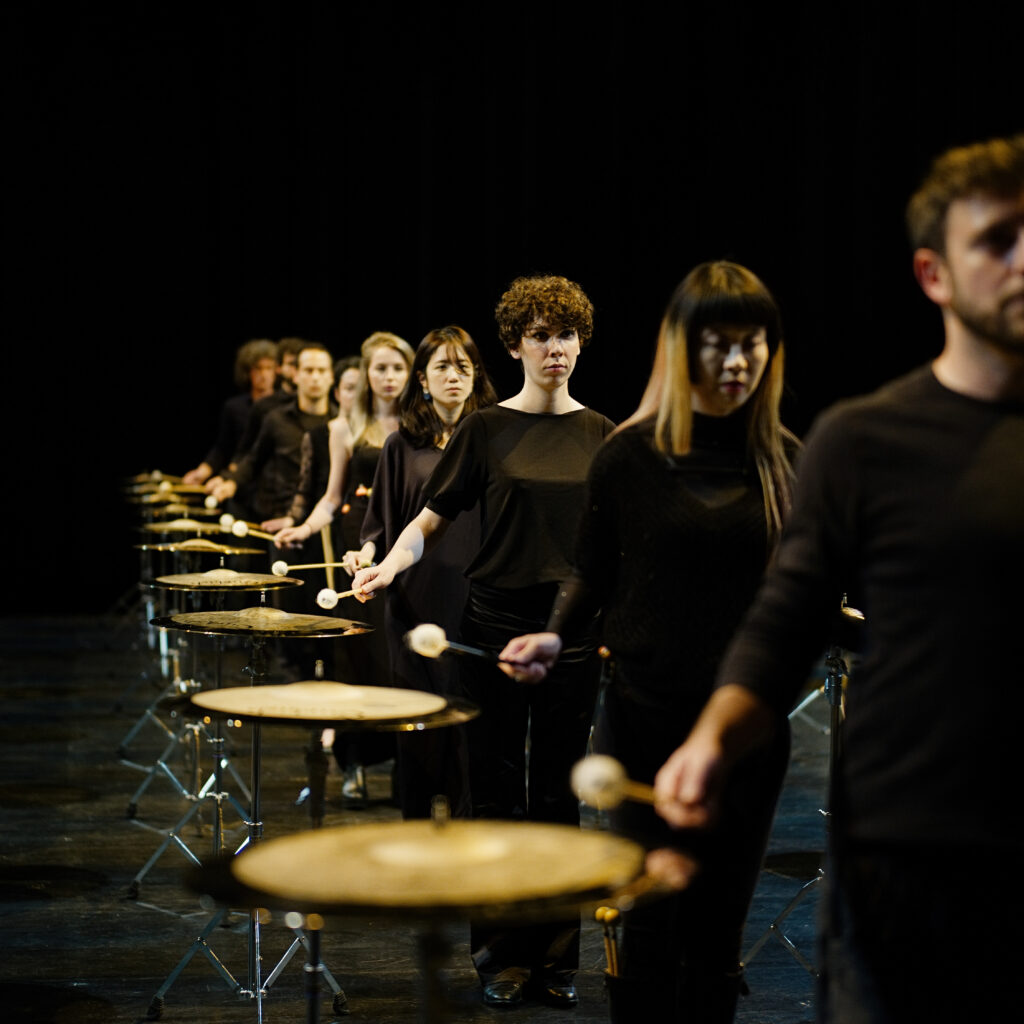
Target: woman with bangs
pixel 684 505
pixel 520 467
pixel 447 382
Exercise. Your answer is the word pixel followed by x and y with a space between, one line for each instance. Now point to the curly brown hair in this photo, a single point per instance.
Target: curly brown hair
pixel 556 300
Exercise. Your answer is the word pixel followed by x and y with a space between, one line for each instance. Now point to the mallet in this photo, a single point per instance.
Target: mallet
pixel 601 781
pixel 429 640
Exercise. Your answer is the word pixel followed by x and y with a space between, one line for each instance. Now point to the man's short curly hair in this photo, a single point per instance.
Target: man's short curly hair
pixel 554 299
pixel 992 168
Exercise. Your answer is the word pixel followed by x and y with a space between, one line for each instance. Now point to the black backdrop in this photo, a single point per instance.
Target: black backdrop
pixel 181 178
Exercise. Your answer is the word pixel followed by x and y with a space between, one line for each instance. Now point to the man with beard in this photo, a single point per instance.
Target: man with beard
pixel 271 466
pixel 911 499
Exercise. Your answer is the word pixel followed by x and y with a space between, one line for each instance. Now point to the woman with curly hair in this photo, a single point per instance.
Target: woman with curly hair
pixel 684 505
pixel 520 468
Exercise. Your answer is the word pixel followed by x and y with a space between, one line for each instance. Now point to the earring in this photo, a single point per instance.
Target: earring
pixel 426 395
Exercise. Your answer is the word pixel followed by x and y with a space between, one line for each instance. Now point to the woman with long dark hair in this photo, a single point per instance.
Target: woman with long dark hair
pixel 447 382
pixel 684 505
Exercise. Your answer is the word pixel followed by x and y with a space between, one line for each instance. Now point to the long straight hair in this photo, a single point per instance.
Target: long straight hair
pixel 361 419
pixel 418 419
pixel 722 293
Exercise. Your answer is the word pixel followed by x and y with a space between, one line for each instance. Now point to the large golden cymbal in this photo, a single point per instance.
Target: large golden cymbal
pixel 226 579
pixel 320 700
pixel 261 621
pixel 202 545
pixel 463 868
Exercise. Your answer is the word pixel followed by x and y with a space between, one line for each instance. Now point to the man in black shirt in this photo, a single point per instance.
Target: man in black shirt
pixel 913 499
pixel 272 464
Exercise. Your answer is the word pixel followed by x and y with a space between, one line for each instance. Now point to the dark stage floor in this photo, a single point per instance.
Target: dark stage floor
pixel 77 948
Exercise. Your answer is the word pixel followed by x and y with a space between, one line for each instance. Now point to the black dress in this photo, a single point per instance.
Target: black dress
pixel 363 659
pixel 672 549
pixel 434 590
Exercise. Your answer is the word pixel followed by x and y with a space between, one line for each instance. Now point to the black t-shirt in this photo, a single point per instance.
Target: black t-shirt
pixel 527 471
pixel 911 499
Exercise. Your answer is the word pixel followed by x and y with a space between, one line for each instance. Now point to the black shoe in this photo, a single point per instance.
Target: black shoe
pixel 504 992
pixel 556 992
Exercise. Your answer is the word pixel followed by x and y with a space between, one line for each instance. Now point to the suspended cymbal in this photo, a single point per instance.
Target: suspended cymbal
pixel 225 579
pixel 261 621
pixel 192 511
pixel 203 545
pixel 182 526
pixel 321 701
pixel 523 870
pixel 162 498
pixel 155 477
pixel 166 486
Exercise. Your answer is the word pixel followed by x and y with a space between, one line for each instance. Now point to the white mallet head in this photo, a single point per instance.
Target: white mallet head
pixel 599 780
pixel 279 568
pixel 427 639
pixel 327 598
pixel 239 528
pixel 226 521
pixel 210 501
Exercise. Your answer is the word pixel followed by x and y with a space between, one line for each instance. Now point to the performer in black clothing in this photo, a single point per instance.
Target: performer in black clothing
pixel 683 505
pixel 523 464
pixel 272 465
pixel 255 373
pixel 355 443
pixel 283 391
pixel 914 499
pixel 447 381
pixel 314 453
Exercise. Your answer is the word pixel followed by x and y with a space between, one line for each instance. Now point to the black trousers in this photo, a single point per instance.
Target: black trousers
pixel 681 955
pixel 921 933
pixel 521 751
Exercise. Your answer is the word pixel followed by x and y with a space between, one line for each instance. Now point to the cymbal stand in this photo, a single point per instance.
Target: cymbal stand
pixel 315 791
pixel 213 789
pixel 256 988
pixel 154 605
pixel 836 671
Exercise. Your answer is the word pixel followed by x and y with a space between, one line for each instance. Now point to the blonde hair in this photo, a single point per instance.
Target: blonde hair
pixel 715 293
pixel 361 420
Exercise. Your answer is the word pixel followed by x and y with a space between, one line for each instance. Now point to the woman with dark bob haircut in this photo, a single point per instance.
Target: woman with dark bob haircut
pixel 520 468
pixel 447 382
pixel 684 504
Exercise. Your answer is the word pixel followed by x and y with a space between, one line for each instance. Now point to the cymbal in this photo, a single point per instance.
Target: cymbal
pixel 162 498
pixel 261 621
pixel 320 701
pixel 166 486
pixel 520 870
pixel 225 579
pixel 154 478
pixel 202 545
pixel 182 526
